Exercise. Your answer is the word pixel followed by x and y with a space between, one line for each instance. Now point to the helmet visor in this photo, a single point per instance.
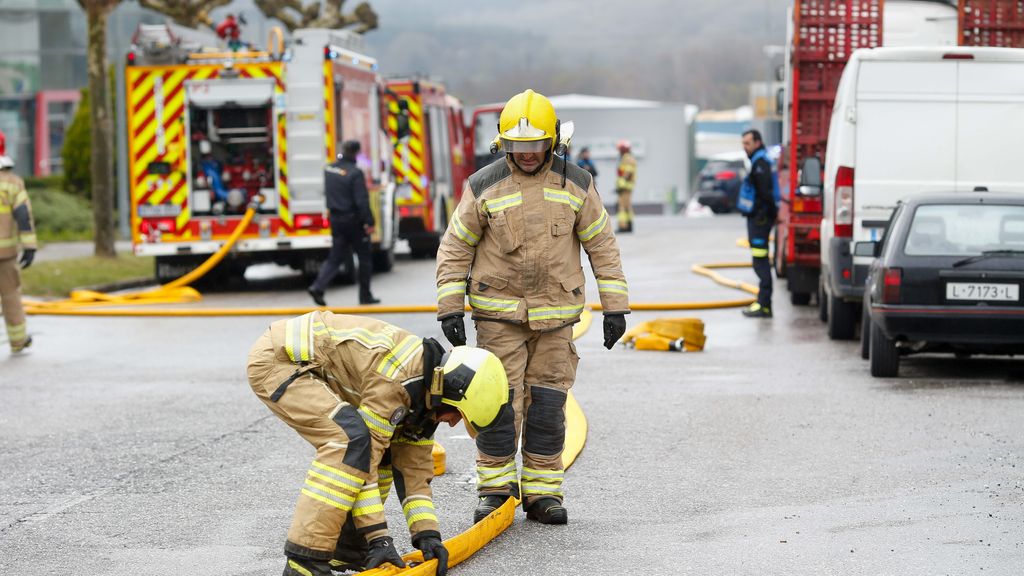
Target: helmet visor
pixel 514 146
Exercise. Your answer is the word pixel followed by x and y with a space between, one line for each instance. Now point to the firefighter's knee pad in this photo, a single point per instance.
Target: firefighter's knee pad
pixel 357 455
pixel 544 433
pixel 499 440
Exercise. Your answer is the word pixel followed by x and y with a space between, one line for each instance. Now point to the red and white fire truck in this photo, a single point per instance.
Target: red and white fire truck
pixel 429 159
pixel 210 129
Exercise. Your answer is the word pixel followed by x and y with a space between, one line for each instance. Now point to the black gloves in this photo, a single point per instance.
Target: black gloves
pixel 614 328
pixel 429 541
pixel 454 328
pixel 27 256
pixel 382 549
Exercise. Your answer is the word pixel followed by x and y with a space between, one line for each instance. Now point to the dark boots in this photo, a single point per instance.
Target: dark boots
pixel 546 511
pixel 302 566
pixel 487 505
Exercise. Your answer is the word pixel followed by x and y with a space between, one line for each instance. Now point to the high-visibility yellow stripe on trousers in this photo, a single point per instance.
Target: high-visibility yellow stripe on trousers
pixel 417 509
pixel 331 486
pixel 542 482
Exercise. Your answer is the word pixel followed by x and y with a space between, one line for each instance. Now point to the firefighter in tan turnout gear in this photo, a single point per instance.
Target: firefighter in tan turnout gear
pixel 513 245
pixel 624 183
pixel 16 229
pixel 368 396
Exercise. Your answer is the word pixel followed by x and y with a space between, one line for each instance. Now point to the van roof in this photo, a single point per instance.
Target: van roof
pixel 932 53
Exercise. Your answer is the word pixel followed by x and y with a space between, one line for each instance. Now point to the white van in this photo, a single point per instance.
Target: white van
pixel 910 120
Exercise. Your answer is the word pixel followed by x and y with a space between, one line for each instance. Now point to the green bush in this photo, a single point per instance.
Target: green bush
pixel 60 216
pixel 76 151
pixel 42 182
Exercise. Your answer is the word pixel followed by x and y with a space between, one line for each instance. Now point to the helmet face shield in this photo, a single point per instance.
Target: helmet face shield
pixel 525 146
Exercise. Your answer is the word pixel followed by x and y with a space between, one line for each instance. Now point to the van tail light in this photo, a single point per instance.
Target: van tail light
pixel 892 280
pixel 843 221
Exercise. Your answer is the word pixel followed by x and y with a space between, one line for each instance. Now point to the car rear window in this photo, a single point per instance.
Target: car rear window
pixel 962 229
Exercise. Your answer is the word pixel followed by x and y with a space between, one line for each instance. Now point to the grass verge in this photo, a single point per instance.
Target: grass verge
pixel 59 277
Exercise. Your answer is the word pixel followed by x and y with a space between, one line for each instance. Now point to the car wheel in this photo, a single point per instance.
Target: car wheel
pixel 841 319
pixel 865 332
pixel 799 298
pixel 885 357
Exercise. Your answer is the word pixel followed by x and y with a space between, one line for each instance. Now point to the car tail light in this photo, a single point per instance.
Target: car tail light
pixel 726 175
pixel 843 222
pixel 892 279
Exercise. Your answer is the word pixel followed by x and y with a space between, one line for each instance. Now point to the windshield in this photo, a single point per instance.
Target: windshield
pixel 965 230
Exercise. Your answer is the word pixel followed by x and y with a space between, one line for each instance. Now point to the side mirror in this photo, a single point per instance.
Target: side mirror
pixel 809 180
pixel 780 73
pixel 872 249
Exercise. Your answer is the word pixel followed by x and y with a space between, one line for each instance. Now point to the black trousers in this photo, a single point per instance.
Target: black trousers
pixel 759 228
pixel 347 234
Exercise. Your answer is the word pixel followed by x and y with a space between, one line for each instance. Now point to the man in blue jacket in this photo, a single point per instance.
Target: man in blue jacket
pixel 759 203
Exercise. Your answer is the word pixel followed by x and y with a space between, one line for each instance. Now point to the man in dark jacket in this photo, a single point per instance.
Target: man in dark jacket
pixel 351 224
pixel 760 219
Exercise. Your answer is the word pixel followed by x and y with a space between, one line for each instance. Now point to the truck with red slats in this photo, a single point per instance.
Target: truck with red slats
pixel 821 36
pixel 996 23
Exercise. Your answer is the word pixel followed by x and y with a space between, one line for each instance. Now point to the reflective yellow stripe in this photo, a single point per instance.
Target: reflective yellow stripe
pixel 368 502
pixel 595 228
pixel 465 234
pixel 554 312
pixel 363 336
pixel 451 289
pixel 375 421
pixel 17 332
pixel 495 205
pixel 298 336
pixel 398 356
pixel 418 508
pixel 298 568
pixel 493 304
pixel 29 239
pixel 612 286
pixel 321 498
pixel 384 481
pixel 8 242
pixel 5 209
pixel 411 442
pixel 759 252
pixel 542 481
pixel 495 477
pixel 563 197
pixel 339 475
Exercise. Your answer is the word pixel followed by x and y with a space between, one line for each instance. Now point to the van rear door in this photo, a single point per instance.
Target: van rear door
pixel 906 132
pixel 990 122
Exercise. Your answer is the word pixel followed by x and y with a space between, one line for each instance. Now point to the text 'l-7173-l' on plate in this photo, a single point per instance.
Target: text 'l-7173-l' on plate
pixel 982 291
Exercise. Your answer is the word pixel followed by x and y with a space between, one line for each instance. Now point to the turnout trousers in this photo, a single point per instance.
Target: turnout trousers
pixel 758 232
pixel 338 481
pixel 624 213
pixel 541 368
pixel 10 300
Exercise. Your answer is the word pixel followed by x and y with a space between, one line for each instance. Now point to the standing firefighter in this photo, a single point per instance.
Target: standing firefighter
pixel 351 224
pixel 758 201
pixel 15 228
pixel 513 245
pixel 368 396
pixel 624 186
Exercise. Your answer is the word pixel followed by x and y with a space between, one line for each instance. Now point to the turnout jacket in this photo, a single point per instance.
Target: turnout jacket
pixel 513 245
pixel 377 369
pixel 15 216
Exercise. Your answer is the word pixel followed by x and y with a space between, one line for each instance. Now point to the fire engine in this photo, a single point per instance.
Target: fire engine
pixel 210 129
pixel 429 159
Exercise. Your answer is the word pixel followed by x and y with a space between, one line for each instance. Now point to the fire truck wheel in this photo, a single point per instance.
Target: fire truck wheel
pixel 799 298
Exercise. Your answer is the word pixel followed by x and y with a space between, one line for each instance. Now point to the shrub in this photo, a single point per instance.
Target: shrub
pixel 76 151
pixel 60 216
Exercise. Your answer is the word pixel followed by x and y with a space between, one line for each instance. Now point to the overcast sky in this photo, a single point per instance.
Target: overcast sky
pixel 698 51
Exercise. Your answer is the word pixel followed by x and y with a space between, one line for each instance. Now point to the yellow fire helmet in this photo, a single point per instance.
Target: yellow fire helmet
pixel 473 381
pixel 528 124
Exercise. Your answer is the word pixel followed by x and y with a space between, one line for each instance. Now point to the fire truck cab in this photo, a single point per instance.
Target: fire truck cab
pixel 429 159
pixel 210 130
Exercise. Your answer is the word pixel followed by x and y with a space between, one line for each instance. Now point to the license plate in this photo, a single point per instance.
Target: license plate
pixel 982 291
pixel 159 210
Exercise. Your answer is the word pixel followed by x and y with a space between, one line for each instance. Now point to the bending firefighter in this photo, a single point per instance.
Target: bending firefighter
pixel 624 186
pixel 16 229
pixel 368 396
pixel 513 245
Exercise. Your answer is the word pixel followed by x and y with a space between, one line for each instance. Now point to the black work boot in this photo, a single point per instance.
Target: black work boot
pixel 318 296
pixel 487 505
pixel 367 298
pixel 547 511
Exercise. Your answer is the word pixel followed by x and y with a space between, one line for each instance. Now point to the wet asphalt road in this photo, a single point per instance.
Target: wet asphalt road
pixel 134 446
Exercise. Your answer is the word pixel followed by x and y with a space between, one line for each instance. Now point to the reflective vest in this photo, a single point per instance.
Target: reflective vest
pixel 12 198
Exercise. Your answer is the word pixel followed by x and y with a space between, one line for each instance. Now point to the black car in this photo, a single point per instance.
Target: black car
pixel 718 184
pixel 948 277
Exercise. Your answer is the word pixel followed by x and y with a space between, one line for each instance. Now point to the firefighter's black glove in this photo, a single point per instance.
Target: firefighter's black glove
pixel 382 549
pixel 454 328
pixel 614 328
pixel 429 541
pixel 27 256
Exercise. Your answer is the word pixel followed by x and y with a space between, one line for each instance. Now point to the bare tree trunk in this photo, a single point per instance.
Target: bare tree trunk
pixel 102 164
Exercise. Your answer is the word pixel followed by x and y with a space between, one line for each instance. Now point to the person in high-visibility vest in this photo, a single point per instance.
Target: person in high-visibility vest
pixel 16 228
pixel 624 186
